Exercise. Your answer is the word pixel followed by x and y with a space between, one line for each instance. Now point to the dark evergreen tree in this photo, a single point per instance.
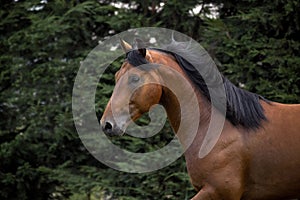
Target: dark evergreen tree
pixel 255 42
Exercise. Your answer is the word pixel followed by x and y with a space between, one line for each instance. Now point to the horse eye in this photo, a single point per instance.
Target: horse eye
pixel 134 79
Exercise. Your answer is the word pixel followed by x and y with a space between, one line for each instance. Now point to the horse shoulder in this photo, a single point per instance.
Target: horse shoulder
pixel 223 169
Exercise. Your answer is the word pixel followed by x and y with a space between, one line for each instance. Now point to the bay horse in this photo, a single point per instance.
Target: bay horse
pixel 257 155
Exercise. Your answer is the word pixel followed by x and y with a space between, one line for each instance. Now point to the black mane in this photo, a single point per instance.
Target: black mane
pixel 243 108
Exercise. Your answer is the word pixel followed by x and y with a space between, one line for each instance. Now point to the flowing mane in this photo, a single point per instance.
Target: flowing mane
pixel 243 108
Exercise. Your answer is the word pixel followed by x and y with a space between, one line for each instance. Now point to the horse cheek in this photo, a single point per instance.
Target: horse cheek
pixel 145 98
pixel 153 95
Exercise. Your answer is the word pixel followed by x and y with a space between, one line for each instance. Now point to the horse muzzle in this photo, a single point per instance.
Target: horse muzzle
pixel 111 129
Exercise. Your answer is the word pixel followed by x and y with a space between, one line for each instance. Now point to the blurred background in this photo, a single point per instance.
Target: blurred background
pixel 255 43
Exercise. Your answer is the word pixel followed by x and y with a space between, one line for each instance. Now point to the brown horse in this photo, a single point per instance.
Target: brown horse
pixel 257 155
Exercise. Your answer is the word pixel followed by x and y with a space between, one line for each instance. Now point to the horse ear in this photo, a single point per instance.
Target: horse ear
pixel 125 46
pixel 141 46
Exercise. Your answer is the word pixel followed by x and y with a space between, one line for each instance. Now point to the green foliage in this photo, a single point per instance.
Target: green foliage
pixel 42 44
pixel 258 48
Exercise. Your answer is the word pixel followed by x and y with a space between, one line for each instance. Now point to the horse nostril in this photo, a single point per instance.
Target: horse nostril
pixel 108 126
pixel 111 129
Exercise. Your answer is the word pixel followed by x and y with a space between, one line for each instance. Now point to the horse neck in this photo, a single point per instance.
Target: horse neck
pixel 171 104
pixel 174 109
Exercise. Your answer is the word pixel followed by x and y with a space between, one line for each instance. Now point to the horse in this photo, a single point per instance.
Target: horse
pixel 257 155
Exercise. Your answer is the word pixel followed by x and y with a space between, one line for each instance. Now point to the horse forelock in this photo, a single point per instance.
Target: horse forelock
pixel 135 58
